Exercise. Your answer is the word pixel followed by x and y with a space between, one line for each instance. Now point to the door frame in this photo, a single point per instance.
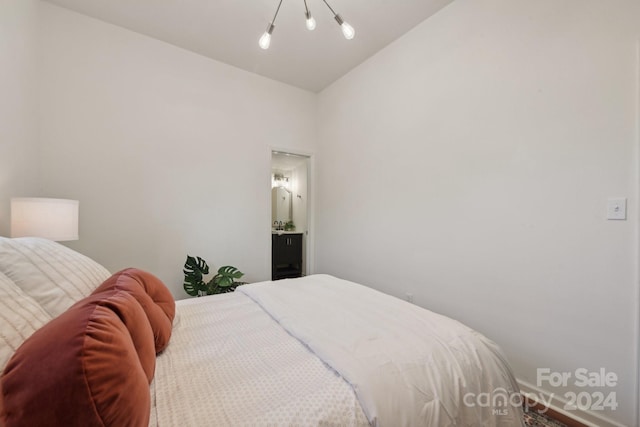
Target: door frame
pixel 310 232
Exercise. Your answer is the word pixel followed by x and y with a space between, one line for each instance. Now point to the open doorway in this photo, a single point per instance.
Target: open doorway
pixel 289 215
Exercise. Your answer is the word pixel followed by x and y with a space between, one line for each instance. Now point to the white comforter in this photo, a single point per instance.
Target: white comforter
pixel 233 360
pixel 408 366
pixel 230 364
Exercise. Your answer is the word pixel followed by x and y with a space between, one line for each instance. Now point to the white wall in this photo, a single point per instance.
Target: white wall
pixel 18 103
pixel 470 162
pixel 167 151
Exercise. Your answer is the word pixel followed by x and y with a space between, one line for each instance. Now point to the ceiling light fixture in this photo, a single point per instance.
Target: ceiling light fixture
pixel 311 23
pixel 347 30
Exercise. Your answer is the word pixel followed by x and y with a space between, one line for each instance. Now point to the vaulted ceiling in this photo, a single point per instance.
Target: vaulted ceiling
pixel 228 31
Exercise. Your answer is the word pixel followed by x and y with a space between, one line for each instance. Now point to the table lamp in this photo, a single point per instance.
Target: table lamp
pixel 53 219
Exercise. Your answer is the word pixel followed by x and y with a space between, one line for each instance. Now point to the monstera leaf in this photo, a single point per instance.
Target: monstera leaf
pixel 194 269
pixel 226 276
pixel 224 281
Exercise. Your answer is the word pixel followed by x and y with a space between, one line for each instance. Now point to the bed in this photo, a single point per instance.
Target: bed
pixel 84 347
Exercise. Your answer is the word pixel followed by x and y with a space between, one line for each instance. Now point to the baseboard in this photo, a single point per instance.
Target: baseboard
pixel 555 403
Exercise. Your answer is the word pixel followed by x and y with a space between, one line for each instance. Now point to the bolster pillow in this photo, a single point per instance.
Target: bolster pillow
pixel 90 366
pixel 153 296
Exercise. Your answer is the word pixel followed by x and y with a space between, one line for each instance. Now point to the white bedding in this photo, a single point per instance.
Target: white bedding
pixel 408 366
pixel 229 363
pixel 301 352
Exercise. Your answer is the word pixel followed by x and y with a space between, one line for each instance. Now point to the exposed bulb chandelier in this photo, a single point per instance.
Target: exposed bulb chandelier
pixel 347 30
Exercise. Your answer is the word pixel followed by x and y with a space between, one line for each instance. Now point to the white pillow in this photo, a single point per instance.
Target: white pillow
pixel 20 316
pixel 53 275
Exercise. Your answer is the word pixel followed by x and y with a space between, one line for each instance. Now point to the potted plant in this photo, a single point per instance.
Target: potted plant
pixel 195 268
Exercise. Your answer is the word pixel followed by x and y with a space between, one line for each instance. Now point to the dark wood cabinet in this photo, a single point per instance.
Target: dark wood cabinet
pixel 286 255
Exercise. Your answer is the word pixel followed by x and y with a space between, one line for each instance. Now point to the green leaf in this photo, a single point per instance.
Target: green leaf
pixel 193 270
pixel 190 288
pixel 229 271
pixel 226 277
pixel 196 265
pixel 224 281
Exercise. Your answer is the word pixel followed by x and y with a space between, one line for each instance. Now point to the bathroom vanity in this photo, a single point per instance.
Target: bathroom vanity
pixel 286 254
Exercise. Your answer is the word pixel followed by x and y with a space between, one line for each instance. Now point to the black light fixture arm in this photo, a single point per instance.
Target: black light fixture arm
pixel 337 17
pixel 347 29
pixel 330 8
pixel 276 14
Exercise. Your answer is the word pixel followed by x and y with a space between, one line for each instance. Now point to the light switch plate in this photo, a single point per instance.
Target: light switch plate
pixel 617 209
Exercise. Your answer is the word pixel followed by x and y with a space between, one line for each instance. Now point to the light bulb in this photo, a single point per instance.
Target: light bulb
pixel 311 23
pixel 265 40
pixel 347 31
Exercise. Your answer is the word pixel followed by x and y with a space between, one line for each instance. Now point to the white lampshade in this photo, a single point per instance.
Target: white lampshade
pixel 53 219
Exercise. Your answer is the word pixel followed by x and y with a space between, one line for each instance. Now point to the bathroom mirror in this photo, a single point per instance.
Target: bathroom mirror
pixel 281 202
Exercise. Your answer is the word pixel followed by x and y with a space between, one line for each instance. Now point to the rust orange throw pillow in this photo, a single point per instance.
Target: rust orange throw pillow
pixel 91 366
pixel 153 296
